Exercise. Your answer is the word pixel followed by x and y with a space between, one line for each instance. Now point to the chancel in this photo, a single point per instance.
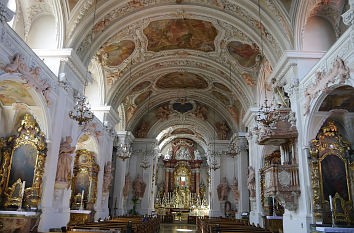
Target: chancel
pixel 176 116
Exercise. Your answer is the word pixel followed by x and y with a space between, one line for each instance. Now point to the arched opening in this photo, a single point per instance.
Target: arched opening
pixel 42 34
pixel 319 34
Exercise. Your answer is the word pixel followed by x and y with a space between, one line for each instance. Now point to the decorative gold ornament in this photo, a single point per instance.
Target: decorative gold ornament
pixel 84 178
pixel 19 152
pixel 329 144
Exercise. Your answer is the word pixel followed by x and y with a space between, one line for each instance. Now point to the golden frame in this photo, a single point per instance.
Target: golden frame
pixel 328 142
pixel 189 175
pixel 85 163
pixel 29 133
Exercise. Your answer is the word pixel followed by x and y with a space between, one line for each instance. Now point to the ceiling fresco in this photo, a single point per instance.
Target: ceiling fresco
pixel 245 54
pixel 182 131
pixel 225 100
pixel 221 87
pixel 13 92
pixel 72 3
pixel 140 99
pixel 114 54
pixel 340 98
pixel 180 34
pixel 183 80
pixel 141 86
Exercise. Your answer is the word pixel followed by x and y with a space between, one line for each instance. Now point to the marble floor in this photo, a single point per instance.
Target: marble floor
pixel 177 228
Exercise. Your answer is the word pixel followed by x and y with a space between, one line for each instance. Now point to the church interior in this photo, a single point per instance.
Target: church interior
pixel 152 116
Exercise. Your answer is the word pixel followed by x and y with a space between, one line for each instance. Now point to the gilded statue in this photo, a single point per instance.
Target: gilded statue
pixel 107 177
pixel 251 182
pixel 126 187
pixel 64 161
pixel 139 187
pixel 223 190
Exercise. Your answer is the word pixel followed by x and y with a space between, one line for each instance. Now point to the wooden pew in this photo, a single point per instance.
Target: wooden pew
pixel 121 225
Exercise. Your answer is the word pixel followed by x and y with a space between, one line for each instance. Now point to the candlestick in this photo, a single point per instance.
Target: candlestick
pixel 330 202
pixel 273 207
pixel 82 200
pixel 22 193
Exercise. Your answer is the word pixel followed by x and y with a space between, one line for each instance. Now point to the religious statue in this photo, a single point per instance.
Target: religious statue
pixel 126 187
pixel 234 189
pixel 197 155
pixel 107 177
pixel 162 113
pixel 64 161
pixel 251 182
pixel 139 187
pixel 223 190
pixel 222 130
pixel 168 155
pixel 183 154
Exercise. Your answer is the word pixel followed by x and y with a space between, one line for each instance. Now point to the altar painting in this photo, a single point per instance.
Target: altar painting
pixel 334 177
pixel 180 34
pixel 82 183
pixel 23 164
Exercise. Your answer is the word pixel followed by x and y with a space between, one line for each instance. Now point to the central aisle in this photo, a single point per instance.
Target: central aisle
pixel 177 228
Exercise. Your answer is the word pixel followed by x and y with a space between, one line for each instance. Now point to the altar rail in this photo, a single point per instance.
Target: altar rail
pixel 120 225
pixel 218 225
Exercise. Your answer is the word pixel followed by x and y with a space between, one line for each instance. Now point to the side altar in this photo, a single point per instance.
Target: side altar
pixel 22 166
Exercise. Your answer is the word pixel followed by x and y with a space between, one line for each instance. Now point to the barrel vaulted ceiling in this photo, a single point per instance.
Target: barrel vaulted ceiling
pixel 152 53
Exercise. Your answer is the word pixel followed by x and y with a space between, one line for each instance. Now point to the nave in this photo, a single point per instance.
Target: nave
pixel 177 227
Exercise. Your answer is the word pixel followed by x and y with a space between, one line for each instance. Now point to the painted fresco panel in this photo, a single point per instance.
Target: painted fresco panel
pixel 180 34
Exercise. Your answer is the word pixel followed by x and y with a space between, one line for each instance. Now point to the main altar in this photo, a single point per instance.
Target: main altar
pixel 183 195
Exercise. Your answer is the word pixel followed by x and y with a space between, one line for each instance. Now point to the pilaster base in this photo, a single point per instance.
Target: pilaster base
pixel 295 223
pixel 256 218
pixel 50 218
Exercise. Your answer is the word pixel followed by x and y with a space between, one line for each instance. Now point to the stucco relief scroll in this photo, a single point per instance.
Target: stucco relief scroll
pixel 30 76
pixel 339 72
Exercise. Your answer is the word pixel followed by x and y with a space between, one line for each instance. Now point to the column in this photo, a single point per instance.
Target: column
pixel 215 209
pixel 242 174
pixel 167 180
pixel 197 178
pixel 121 169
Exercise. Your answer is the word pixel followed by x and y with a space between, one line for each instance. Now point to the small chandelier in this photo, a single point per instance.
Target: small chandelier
pixel 267 115
pixel 214 164
pixel 124 151
pixel 234 148
pixel 81 112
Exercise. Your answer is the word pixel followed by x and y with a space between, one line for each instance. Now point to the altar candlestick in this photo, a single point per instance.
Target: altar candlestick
pixel 330 202
pixel 23 188
pixel 82 194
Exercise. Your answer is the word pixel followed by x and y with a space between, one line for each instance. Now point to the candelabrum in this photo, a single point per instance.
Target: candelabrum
pixel 124 151
pixel 81 112
pixel 267 115
pixel 213 162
